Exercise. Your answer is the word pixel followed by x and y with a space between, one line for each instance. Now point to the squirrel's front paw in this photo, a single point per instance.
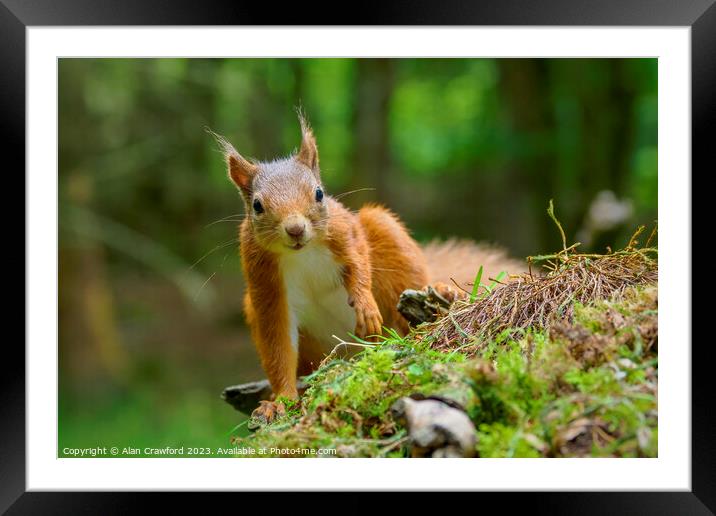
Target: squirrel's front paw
pixel 265 413
pixel 368 319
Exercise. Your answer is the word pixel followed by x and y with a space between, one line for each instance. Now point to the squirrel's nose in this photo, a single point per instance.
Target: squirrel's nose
pixel 296 229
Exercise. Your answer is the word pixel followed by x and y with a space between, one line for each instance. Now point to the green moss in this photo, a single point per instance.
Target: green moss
pixel 581 388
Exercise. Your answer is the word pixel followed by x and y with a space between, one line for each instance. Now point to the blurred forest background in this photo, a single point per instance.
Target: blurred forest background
pixel 150 318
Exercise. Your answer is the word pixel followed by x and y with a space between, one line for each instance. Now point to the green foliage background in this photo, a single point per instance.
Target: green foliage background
pixel 150 324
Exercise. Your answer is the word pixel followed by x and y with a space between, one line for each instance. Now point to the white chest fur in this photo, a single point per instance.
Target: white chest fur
pixel 317 299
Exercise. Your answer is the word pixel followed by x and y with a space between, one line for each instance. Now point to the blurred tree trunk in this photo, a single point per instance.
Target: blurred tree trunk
pixel 266 115
pixel 94 348
pixel 371 154
pixel 607 143
pixel 524 86
pixel 623 95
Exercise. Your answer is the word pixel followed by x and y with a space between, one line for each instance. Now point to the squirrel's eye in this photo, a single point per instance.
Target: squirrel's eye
pixel 319 194
pixel 258 207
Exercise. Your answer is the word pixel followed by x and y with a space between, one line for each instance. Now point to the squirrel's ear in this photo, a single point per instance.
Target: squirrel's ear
pixel 308 153
pixel 239 170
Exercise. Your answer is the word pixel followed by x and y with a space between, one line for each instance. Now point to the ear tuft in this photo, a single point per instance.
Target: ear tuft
pixel 239 170
pixel 308 153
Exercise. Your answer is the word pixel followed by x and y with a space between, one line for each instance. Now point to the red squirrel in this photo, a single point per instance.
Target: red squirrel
pixel 314 269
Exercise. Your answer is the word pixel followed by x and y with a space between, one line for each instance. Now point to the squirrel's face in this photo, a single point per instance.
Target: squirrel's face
pixel 288 206
pixel 284 198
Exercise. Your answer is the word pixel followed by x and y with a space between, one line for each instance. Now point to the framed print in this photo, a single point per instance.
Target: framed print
pixel 431 234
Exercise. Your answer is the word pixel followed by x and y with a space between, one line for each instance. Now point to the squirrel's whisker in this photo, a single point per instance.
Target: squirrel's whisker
pixel 220 246
pixel 196 296
pixel 220 221
pixel 341 195
pixel 223 262
pixel 228 218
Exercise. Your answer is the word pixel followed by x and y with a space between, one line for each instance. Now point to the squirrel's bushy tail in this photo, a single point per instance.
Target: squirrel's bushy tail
pixel 459 260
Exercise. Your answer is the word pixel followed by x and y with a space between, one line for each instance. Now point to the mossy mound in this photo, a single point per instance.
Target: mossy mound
pixel 583 386
pixel 533 302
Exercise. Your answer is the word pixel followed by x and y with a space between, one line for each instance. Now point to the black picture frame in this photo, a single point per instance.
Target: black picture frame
pixel 17 15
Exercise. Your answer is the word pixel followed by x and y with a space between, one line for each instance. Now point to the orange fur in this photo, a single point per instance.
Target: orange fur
pixel 267 315
pixel 397 263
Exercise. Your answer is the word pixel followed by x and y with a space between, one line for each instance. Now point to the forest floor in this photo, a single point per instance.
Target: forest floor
pixel 562 364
